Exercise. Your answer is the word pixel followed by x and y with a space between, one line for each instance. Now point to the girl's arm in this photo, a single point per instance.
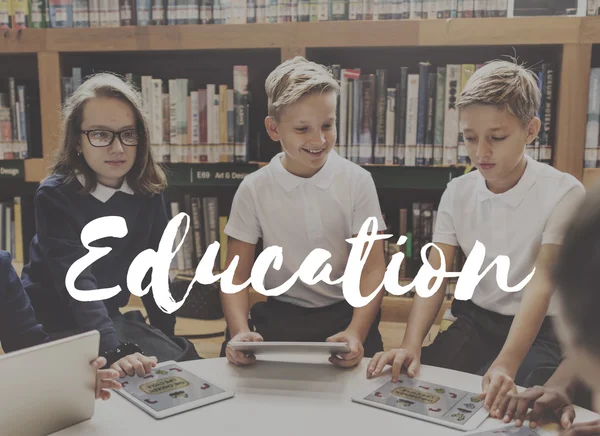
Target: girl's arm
pixel 18 325
pixel 159 319
pixel 59 247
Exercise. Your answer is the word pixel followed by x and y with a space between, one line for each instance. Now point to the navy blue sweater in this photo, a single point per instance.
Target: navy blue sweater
pixel 61 213
pixel 18 326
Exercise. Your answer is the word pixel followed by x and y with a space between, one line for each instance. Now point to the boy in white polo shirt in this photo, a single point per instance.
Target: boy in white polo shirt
pixel 516 207
pixel 308 197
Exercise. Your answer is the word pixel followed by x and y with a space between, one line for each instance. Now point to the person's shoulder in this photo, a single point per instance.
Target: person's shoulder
pixel 55 183
pixel 463 183
pixel 553 180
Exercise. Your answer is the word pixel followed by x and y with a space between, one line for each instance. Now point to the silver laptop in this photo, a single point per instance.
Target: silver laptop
pixel 49 387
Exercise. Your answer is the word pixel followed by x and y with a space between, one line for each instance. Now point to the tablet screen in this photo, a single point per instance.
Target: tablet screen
pixel 428 399
pixel 168 386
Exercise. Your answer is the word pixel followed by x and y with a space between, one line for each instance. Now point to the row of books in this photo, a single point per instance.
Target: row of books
pixel 206 227
pixel 188 123
pixel 11 229
pixel 19 14
pixel 415 122
pixel 592 135
pixel 14 121
pixel 418 225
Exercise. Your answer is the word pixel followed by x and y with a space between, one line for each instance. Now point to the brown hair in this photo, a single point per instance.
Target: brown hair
pixel 146 177
pixel 506 85
pixel 294 79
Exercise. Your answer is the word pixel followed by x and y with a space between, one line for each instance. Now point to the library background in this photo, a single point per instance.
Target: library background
pixel 201 66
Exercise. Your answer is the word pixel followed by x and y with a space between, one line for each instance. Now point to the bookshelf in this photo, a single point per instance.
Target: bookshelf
pixel 567 40
pixel 204 51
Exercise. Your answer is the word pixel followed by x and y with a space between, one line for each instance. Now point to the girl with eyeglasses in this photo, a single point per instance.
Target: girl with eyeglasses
pixel 104 168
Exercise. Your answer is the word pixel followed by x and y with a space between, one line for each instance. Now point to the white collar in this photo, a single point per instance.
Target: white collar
pixel 322 179
pixel 104 193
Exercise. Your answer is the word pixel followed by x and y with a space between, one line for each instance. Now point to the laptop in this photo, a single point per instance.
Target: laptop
pixel 49 387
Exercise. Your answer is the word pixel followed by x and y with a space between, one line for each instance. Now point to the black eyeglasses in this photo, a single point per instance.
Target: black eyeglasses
pixel 103 138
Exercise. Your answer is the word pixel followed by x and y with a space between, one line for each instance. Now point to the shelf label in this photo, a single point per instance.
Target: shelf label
pixel 12 169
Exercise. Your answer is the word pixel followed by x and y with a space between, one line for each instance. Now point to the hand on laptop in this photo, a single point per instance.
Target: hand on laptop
pixel 105 379
pixel 238 357
pixel 135 364
pixel 352 358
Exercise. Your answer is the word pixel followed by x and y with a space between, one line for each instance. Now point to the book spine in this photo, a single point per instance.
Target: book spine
pixel 467 71
pixel 453 88
pixel 390 134
pixel 438 137
pixel 380 119
pixel 412 115
pixel 422 112
pixel 430 118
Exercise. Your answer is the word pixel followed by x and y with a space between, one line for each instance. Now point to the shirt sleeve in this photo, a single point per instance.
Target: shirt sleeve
pixel 18 325
pixel 243 222
pixel 159 319
pixel 60 245
pixel 366 205
pixel 444 231
pixel 561 215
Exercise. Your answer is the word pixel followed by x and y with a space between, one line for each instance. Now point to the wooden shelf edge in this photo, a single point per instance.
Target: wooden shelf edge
pixel 302 35
pixel 591 176
pixel 35 170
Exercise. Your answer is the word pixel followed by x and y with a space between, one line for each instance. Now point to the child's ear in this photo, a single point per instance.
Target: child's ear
pixel 272 128
pixel 533 128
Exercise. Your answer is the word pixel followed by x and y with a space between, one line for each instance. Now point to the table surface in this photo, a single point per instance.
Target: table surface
pixel 282 398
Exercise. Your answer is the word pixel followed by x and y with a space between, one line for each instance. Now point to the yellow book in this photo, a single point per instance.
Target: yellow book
pixel 18 254
pixel 466 73
pixel 223 240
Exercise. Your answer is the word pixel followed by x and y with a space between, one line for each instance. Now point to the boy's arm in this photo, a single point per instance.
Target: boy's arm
pixel 235 306
pixel 425 310
pixel 363 317
pixel 498 381
pixel 422 316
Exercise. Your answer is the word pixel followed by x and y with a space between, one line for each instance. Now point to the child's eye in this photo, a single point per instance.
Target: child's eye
pixel 495 138
pixel 301 129
pixel 469 139
pixel 327 126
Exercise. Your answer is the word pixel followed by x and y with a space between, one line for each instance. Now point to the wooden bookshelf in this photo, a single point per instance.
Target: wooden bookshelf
pixel 457 32
pixel 572 36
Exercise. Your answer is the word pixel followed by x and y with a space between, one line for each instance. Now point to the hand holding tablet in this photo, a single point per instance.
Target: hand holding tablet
pixel 258 348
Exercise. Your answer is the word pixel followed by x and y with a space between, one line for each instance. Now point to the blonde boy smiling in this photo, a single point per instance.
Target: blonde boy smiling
pixel 307 197
pixel 516 207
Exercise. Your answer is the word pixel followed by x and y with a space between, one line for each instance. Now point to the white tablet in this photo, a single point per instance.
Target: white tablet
pixel 257 348
pixel 427 401
pixel 169 390
pixel 513 430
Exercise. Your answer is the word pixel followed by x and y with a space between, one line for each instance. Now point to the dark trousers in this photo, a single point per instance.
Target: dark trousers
pixel 475 339
pixel 278 321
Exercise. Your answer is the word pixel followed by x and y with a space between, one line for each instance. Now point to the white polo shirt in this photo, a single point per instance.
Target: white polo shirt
pixel 302 214
pixel 515 223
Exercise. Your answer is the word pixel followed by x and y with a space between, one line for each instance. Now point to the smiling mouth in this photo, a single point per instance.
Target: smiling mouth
pixel 115 162
pixel 315 152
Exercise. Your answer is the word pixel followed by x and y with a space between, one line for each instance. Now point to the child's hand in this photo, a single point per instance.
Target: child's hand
pixel 497 383
pixel 135 363
pixel 540 399
pixel 356 353
pixel 586 428
pixel 105 379
pixel 409 358
pixel 238 358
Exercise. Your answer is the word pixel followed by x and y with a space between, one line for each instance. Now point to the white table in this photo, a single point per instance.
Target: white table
pixel 281 398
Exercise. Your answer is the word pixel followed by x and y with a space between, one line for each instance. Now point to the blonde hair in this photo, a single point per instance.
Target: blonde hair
pixel 295 78
pixel 146 177
pixel 506 85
